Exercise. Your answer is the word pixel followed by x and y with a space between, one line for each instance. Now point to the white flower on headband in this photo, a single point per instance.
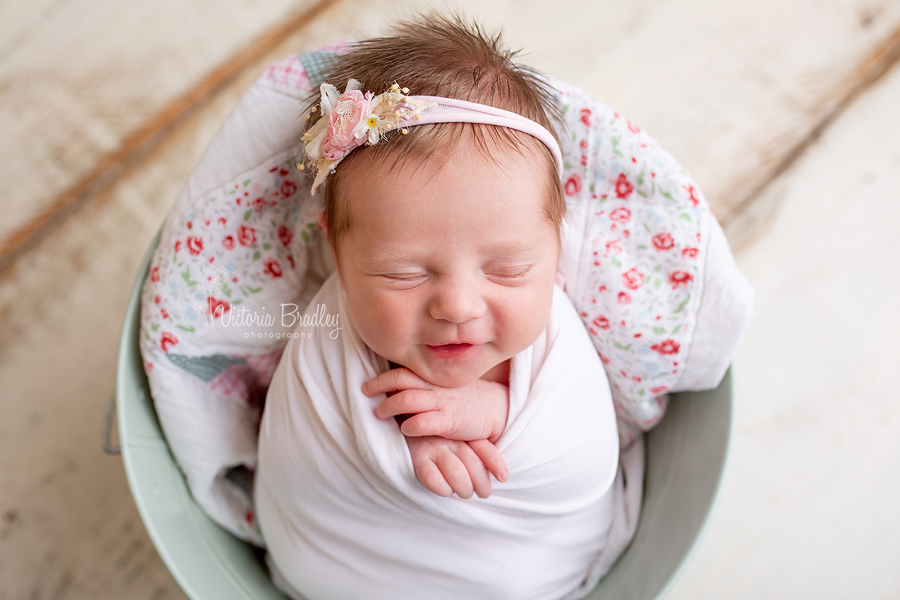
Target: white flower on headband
pixel 352 119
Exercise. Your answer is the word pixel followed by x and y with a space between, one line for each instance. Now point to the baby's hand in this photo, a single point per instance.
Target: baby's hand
pixel 446 466
pixel 476 411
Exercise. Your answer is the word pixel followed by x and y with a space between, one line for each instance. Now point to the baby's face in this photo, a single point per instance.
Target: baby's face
pixel 449 269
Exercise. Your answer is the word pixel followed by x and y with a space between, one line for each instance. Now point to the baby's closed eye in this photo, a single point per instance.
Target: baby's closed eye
pixel 510 272
pixel 509 275
pixel 404 276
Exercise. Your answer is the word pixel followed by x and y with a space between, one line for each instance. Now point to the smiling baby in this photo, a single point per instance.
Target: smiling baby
pixel 459 357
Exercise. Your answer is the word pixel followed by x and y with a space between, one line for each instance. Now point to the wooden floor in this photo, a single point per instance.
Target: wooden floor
pixel 785 112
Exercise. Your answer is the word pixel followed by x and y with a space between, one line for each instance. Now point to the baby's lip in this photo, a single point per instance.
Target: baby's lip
pixel 455 342
pixel 450 350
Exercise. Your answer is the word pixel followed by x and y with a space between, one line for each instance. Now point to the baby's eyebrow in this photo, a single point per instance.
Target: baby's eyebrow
pixel 516 246
pixel 386 256
pixel 391 256
pixel 392 251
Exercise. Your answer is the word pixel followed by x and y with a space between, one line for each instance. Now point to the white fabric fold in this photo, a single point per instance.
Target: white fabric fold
pixel 345 517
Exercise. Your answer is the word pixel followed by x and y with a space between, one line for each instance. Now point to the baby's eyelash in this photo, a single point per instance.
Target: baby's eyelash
pixel 403 276
pixel 520 273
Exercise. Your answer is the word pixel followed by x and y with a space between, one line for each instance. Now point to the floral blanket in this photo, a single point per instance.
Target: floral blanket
pixel 644 262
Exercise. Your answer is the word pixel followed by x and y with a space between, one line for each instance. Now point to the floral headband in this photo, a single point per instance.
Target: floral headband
pixel 352 119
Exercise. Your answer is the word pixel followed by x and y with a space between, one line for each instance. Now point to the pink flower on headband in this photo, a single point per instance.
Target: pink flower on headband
pixel 346 124
pixel 352 119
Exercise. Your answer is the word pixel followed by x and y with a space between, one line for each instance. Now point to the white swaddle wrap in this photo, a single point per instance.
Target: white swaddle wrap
pixel 345 517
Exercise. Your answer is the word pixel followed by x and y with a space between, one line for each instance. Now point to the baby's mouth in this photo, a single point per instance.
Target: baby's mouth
pixel 450 350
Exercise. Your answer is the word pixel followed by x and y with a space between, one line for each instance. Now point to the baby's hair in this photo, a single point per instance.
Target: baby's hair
pixel 447 57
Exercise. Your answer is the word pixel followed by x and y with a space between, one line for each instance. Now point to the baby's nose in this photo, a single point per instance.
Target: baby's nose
pixel 457 303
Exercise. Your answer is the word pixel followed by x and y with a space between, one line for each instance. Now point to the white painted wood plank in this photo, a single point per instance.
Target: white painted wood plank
pixel 730 88
pixel 809 508
pixel 79 78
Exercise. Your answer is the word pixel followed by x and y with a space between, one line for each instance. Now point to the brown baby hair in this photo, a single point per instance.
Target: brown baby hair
pixel 447 57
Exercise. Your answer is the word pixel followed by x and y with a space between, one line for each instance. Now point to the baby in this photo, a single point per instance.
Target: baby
pixel 443 210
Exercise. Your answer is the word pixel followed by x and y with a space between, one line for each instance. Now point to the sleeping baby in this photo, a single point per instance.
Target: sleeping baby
pixel 459 358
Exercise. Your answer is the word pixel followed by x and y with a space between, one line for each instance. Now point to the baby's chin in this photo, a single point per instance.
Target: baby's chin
pixel 449 381
pixel 453 378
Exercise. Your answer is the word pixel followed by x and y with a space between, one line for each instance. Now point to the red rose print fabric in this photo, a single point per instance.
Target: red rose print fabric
pixel 639 221
pixel 236 248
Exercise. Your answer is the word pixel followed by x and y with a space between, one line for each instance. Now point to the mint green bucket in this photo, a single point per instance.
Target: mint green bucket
pixel 686 458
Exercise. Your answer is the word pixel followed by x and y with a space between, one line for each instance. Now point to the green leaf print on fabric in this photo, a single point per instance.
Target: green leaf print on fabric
pixel 683 304
pixel 615 146
pixel 186 275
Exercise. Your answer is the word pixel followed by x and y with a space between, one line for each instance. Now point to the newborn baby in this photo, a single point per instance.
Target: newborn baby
pixel 458 356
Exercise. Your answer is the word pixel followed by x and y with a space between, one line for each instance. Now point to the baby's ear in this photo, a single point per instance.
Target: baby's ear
pixel 323 223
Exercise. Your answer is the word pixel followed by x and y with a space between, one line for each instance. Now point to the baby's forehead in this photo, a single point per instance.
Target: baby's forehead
pixel 477 176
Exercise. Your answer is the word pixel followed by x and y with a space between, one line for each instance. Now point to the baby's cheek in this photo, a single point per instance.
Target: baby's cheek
pixel 530 317
pixel 380 324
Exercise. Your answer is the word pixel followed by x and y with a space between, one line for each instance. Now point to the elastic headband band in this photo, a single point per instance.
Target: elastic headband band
pixel 353 119
pixel 449 110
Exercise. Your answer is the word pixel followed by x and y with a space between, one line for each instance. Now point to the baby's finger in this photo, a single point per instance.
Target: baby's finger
pixel 491 458
pixel 407 402
pixel 481 479
pixel 426 423
pixel 455 474
pixel 430 476
pixel 393 380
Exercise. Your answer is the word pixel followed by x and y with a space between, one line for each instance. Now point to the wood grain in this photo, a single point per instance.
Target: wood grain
pixel 809 504
pixel 86 88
